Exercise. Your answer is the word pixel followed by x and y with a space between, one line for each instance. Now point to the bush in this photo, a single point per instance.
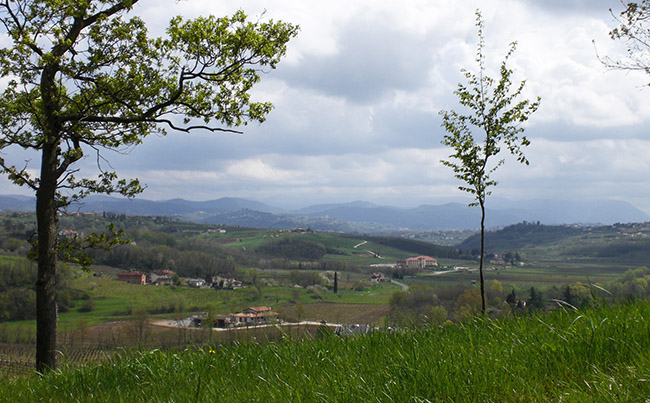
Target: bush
pixel 18 304
pixel 305 278
pixel 360 286
pixel 87 306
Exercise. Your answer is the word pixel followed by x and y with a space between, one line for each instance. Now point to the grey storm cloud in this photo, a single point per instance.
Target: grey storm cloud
pixel 372 61
pixel 575 6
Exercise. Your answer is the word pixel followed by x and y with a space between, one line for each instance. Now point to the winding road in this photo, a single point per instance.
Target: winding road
pixel 369 251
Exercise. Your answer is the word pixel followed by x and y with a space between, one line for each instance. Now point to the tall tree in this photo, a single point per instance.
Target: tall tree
pixel 494 120
pixel 83 79
pixel 536 301
pixel 634 31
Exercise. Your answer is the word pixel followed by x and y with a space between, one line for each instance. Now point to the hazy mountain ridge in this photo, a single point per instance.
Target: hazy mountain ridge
pixel 358 216
pixel 19 203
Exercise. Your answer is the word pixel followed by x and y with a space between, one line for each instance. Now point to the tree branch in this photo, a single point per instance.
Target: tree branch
pixel 107 13
pixel 188 129
pixel 19 177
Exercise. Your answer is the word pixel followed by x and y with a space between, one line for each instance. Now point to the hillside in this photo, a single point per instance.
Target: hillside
pixel 522 235
pixel 416 247
pixel 598 354
pixel 620 243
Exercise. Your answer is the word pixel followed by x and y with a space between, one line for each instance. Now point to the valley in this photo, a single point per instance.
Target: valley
pixel 293 271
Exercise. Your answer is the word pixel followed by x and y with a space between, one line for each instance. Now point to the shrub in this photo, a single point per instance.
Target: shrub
pixel 87 306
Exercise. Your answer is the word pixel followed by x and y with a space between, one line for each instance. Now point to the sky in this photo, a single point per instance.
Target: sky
pixel 357 101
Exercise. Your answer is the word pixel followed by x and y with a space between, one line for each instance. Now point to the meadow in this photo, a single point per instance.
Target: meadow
pixel 597 354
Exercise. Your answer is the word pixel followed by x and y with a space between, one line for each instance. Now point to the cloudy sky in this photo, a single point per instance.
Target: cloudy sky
pixel 358 95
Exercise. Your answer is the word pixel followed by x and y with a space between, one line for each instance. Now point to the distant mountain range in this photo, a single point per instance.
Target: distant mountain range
pixel 18 203
pixel 358 216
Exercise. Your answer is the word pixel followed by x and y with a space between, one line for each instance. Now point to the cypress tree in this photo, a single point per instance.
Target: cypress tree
pixel 336 282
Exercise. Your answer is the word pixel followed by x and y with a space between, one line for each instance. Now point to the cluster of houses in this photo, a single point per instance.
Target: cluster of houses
pixel 252 316
pixel 227 283
pixel 166 277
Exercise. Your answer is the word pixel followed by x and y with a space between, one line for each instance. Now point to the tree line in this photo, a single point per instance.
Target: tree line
pixel 423 305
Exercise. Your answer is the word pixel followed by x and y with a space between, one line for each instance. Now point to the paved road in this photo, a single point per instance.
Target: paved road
pixel 404 286
pixel 369 251
pixel 362 243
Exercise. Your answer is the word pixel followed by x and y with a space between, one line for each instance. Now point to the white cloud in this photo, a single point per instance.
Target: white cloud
pixel 256 170
pixel 356 103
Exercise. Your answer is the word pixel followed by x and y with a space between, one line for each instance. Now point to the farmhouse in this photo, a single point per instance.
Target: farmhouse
pixel 68 234
pixel 132 277
pixel 158 277
pixel 421 262
pixel 254 316
pixel 227 283
pixel 378 277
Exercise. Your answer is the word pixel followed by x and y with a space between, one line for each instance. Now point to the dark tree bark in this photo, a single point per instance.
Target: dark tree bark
pixel 46 310
pixel 47 222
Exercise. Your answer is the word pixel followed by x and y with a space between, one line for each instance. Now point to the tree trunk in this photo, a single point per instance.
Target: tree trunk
pixel 46 217
pixel 480 264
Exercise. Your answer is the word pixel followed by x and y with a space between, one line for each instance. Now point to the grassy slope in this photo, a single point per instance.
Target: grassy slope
pixel 618 245
pixel 595 355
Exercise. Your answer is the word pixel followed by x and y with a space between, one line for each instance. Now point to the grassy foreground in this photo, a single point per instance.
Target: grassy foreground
pixel 598 355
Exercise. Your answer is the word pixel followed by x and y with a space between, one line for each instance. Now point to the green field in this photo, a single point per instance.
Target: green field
pixel 595 355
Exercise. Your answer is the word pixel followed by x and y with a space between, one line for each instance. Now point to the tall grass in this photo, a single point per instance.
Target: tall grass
pixel 596 355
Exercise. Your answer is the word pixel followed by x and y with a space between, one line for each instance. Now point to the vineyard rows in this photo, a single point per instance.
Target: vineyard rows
pixel 18 359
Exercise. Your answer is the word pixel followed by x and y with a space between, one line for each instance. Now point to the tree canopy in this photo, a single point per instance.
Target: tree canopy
pixel 83 78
